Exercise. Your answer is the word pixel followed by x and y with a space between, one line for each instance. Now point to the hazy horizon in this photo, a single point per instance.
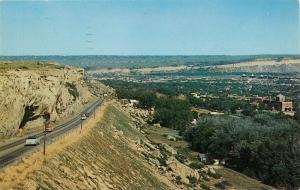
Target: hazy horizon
pixel 158 55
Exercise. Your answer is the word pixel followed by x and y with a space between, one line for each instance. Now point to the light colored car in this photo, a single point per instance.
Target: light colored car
pixel 83 117
pixel 32 140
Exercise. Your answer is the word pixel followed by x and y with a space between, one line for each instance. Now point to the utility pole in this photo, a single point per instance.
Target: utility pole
pixel 80 123
pixel 45 139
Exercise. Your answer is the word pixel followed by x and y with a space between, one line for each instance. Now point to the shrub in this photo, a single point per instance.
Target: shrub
pixel 214 174
pixel 196 165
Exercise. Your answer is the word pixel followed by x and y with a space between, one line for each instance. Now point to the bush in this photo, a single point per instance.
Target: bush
pixel 173 113
pixel 205 187
pixel 214 174
pixel 196 165
pixel 181 158
pixel 192 180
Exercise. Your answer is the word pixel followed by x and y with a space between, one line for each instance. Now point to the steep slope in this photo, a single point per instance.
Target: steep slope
pixel 104 157
pixel 31 93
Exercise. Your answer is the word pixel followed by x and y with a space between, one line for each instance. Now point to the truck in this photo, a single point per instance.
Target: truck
pixel 48 127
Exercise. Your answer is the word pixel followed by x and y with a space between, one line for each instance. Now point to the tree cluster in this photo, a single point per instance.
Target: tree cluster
pixel 222 104
pixel 170 112
pixel 265 146
pixel 146 99
pixel 173 113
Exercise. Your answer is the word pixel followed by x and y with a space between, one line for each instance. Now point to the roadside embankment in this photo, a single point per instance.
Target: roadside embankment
pixel 101 156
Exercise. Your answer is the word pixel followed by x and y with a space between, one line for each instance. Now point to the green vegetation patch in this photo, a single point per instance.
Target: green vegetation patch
pixel 265 146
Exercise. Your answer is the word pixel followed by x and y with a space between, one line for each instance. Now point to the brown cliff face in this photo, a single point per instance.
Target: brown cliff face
pixel 262 66
pixel 29 95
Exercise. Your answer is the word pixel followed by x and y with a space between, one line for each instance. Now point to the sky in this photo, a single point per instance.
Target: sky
pixel 149 27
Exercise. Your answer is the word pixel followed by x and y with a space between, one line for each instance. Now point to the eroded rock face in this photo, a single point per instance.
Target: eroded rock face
pixel 168 149
pixel 100 90
pixel 29 97
pixel 182 170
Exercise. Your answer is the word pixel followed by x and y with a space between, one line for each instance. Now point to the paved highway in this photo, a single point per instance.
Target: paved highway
pixel 19 148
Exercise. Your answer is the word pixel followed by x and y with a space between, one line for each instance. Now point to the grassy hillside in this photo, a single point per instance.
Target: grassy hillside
pixel 102 159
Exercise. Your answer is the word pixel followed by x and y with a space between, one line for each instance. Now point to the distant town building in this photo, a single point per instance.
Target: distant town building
pixel 264 99
pixel 283 105
pixel 279 103
pixel 134 102
pixel 203 157
pixel 280 98
pixel 216 113
pixel 130 102
pixel 124 101
pixel 195 95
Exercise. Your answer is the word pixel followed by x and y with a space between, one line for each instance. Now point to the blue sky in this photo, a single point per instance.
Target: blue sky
pixel 149 27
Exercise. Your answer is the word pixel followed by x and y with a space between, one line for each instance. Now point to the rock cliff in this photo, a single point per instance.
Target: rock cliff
pixel 29 95
pixel 262 66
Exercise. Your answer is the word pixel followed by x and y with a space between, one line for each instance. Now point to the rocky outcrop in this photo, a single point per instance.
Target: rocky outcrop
pixel 100 90
pixel 29 97
pixel 262 66
pixel 171 138
pixel 184 172
pixel 168 149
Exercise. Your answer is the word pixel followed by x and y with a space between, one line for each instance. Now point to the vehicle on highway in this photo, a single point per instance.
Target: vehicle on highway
pixel 48 127
pixel 32 140
pixel 87 114
pixel 83 117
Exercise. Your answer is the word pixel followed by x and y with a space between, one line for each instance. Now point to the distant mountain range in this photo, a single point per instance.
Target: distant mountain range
pixel 91 62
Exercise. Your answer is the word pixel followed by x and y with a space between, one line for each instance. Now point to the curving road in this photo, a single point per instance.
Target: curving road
pixel 18 146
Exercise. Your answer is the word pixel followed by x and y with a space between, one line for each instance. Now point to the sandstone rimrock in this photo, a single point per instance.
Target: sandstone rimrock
pixel 29 96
